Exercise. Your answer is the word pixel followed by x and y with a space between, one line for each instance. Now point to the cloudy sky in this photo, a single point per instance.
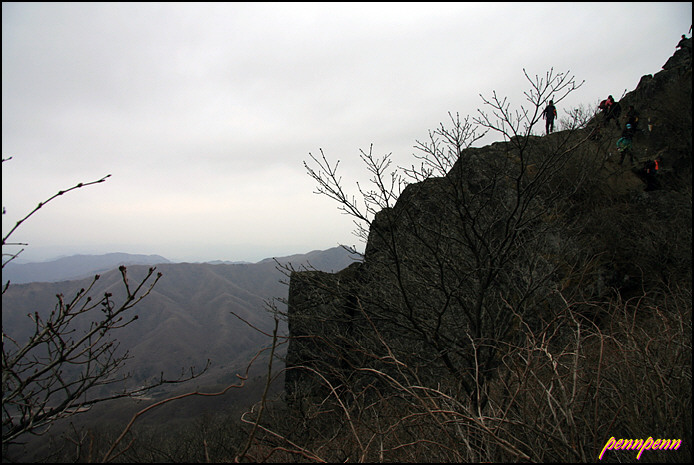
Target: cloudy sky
pixel 204 113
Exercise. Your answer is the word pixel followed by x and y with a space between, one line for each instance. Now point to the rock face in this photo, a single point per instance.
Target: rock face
pixel 664 99
pixel 503 239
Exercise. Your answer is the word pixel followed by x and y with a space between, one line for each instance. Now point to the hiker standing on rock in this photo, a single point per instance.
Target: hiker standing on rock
pixel 549 114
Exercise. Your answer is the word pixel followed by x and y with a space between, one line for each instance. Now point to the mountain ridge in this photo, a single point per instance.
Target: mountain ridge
pixel 83 266
pixel 74 267
pixel 187 318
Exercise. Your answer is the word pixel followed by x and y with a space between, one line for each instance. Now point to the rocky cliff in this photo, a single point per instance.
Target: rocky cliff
pixel 513 232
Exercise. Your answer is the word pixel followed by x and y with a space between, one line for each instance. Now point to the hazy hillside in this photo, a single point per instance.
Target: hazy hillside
pixel 73 267
pixel 187 318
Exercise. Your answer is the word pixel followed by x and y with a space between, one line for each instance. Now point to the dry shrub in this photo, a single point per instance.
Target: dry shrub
pixel 558 396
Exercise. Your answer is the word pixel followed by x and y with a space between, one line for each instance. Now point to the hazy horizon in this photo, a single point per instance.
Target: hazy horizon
pixel 21 260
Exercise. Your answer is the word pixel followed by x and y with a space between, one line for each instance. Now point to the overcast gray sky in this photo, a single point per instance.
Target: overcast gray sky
pixel 203 113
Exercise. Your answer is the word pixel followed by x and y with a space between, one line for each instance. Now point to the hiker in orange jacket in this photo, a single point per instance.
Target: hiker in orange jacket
pixel 650 169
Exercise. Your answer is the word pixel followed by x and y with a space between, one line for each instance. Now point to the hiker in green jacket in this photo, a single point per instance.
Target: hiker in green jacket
pixel 624 144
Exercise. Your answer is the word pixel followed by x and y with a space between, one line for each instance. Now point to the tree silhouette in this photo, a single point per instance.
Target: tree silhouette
pixel 56 371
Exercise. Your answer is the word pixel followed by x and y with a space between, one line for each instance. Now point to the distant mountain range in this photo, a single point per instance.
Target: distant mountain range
pixel 86 266
pixel 73 267
pixel 187 318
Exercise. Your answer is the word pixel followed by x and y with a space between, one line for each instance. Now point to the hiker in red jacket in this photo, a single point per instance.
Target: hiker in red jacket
pixel 549 114
pixel 611 110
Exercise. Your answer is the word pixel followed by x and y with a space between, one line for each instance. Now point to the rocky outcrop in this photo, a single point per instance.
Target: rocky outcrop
pixel 664 103
pixel 460 260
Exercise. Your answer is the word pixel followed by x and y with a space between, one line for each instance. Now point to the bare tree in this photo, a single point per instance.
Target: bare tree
pixel 467 233
pixel 57 370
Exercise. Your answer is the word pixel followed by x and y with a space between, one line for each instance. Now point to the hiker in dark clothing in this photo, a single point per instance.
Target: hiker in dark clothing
pixel 650 169
pixel 624 144
pixel 633 118
pixel 549 114
pixel 683 42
